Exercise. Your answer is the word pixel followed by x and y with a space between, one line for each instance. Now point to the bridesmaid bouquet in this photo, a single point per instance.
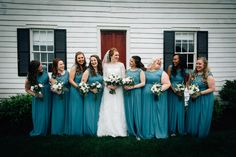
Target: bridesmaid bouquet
pixel 37 89
pixel 156 89
pixel 113 80
pixel 180 88
pixel 83 88
pixel 193 90
pixel 58 87
pixel 97 87
pixel 128 81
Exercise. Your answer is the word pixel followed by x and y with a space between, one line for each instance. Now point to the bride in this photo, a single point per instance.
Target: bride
pixel 112 120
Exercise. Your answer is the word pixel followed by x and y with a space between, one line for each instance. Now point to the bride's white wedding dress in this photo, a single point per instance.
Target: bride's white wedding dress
pixel 112 120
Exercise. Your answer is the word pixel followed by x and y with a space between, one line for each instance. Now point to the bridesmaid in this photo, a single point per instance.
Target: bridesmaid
pixel 155 113
pixel 41 102
pixel 60 101
pixel 177 74
pixel 133 100
pixel 91 101
pixel 200 108
pixel 76 105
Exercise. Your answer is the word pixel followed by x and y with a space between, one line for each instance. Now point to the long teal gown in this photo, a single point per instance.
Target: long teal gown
pixel 176 111
pixel 41 107
pixel 92 104
pixel 200 110
pixel 76 109
pixel 60 109
pixel 154 111
pixel 133 105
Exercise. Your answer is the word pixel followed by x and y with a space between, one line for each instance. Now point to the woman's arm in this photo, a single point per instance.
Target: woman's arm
pixel 142 80
pixel 165 81
pixel 211 85
pixel 85 76
pixel 72 77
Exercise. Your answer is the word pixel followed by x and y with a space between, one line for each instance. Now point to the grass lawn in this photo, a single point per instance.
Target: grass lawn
pixel 217 144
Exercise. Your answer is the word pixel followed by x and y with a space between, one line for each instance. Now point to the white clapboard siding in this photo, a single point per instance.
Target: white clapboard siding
pixel 146 21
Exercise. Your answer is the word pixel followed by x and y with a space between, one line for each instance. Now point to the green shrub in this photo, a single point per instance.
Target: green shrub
pixel 15 115
pixel 217 113
pixel 228 92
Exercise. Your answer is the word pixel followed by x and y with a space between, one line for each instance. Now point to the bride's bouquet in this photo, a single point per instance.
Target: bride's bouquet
pixel 97 87
pixel 58 87
pixel 113 80
pixel 37 89
pixel 156 89
pixel 83 88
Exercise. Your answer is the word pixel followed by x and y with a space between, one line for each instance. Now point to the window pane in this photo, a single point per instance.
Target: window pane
pixel 35 35
pixel 184 46
pixel 190 66
pixel 36 48
pixel 50 57
pixel 50 48
pixel 190 58
pixel 191 47
pixel 37 56
pixel 43 57
pixel 178 48
pixel 43 36
pixel 43 48
pixel 50 67
pixel 50 36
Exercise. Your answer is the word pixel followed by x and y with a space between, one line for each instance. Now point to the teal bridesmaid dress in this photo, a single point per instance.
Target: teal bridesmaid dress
pixel 41 107
pixel 76 109
pixel 176 109
pixel 92 104
pixel 60 108
pixel 154 111
pixel 200 110
pixel 133 105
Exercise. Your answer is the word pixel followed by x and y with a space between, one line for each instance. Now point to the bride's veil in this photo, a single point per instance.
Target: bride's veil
pixel 106 58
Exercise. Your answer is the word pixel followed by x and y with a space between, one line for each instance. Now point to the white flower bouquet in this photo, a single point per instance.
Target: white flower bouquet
pixel 58 87
pixel 156 89
pixel 193 89
pixel 180 87
pixel 37 89
pixel 83 88
pixel 113 80
pixel 97 87
pixel 128 81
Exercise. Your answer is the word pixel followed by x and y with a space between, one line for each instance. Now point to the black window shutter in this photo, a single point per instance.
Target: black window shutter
pixel 60 44
pixel 23 51
pixel 169 48
pixel 202 44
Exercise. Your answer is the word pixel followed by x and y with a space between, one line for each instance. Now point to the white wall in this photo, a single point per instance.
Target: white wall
pixel 146 21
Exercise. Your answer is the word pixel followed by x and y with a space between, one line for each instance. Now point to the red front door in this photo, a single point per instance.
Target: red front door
pixel 115 39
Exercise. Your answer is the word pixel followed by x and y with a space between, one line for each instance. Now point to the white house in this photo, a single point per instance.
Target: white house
pixel 44 29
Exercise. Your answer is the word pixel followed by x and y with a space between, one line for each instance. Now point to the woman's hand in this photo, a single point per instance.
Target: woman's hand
pixel 38 95
pixel 95 91
pixel 195 95
pixel 179 93
pixel 128 87
pixel 112 87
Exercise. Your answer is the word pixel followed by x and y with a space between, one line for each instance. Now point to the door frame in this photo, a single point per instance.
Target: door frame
pixel 114 28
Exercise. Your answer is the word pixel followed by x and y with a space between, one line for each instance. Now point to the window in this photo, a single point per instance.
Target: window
pixel 43 47
pixel 40 44
pixel 185 44
pixel 190 44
